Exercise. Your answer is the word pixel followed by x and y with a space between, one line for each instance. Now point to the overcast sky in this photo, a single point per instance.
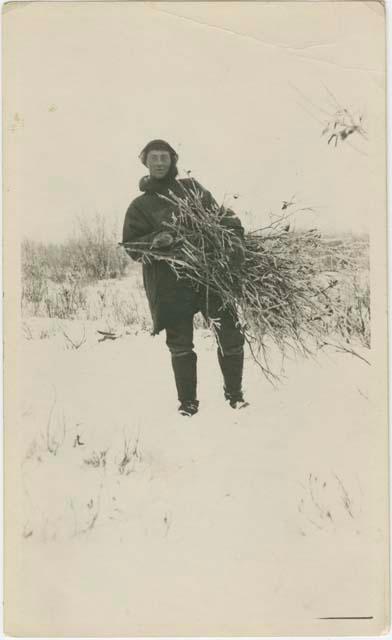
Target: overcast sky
pixel 239 89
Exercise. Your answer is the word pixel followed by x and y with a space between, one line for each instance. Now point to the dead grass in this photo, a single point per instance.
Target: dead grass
pixel 292 289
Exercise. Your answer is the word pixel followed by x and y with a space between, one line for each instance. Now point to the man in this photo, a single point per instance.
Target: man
pixel 172 301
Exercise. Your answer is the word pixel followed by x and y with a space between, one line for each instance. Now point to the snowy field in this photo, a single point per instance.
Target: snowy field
pixel 165 524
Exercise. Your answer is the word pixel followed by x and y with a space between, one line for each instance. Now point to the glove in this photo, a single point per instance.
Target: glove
pixel 163 240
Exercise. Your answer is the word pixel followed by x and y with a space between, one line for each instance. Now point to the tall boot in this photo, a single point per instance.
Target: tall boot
pixel 232 367
pixel 185 375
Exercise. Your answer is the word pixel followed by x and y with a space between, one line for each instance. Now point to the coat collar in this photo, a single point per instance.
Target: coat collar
pixel 152 185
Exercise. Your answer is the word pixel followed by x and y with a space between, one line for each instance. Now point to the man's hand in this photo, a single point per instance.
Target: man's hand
pixel 163 240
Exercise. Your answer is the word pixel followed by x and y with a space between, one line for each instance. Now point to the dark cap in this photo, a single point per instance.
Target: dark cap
pixel 161 145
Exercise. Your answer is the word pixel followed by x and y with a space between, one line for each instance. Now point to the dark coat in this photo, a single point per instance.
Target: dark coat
pixel 168 297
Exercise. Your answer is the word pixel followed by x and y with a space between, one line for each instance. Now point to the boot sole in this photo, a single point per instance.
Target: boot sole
pixel 244 405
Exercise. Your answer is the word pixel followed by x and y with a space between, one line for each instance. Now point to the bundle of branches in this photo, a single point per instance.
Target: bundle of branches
pixel 278 293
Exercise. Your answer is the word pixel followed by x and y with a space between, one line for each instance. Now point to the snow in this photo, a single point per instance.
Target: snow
pixel 164 524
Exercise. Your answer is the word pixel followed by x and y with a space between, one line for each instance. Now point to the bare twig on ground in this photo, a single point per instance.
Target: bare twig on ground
pixel 75 344
pixel 54 440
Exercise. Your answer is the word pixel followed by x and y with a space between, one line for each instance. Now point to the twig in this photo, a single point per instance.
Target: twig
pixel 75 344
pixel 345 350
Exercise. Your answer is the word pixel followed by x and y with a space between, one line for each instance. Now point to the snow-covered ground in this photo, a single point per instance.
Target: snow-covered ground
pixel 137 520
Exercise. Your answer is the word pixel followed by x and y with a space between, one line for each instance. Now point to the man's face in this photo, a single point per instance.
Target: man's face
pixel 158 162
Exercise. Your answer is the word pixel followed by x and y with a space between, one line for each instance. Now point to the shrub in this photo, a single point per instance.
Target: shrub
pixel 90 254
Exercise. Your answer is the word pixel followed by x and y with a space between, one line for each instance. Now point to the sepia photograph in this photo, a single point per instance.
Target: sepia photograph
pixel 195 324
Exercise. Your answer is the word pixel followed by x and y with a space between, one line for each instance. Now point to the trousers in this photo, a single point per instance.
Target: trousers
pixel 230 350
